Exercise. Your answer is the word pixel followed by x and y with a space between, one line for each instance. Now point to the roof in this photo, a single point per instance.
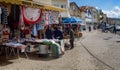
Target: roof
pixel 84 8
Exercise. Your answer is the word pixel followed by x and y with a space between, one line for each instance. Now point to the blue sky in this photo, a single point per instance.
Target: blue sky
pixel 108 6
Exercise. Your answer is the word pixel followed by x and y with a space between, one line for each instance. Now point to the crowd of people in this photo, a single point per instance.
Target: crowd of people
pixel 57 33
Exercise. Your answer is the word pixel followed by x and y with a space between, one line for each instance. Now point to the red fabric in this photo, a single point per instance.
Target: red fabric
pixel 5 33
pixel 30 21
pixel 26 31
pixel 16 24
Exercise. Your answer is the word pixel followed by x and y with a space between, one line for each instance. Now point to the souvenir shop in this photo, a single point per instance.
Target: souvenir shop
pixel 22 27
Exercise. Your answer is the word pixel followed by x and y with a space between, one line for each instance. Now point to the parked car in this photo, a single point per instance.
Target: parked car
pixel 111 27
pixel 117 27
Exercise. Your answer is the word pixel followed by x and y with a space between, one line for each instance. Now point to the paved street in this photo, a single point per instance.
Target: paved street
pixel 94 51
pixel 104 47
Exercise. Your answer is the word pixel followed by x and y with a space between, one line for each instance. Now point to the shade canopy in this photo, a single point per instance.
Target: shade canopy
pixel 71 20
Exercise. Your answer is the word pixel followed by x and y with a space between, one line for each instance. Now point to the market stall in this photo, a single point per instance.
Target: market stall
pixel 73 22
pixel 26 20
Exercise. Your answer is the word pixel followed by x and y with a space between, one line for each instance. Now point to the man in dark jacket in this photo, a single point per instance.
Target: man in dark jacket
pixel 49 33
pixel 57 33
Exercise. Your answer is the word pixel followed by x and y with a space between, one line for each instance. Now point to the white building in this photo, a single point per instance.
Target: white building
pixel 89 14
pixel 62 4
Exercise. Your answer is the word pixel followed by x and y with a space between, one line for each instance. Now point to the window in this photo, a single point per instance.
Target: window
pixel 74 7
pixel 56 5
pixel 63 6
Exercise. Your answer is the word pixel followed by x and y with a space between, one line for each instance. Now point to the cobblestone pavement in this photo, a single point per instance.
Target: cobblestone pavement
pixel 101 45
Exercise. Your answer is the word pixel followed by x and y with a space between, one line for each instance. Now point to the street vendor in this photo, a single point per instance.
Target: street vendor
pixel 58 33
pixel 49 33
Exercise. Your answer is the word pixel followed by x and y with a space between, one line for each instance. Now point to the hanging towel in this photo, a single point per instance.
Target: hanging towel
pixel 34 30
pixel 50 18
pixel 39 26
pixel 21 22
pixel 46 18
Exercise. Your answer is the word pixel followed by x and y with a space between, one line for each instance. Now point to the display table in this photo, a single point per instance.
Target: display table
pixel 13 46
pixel 54 44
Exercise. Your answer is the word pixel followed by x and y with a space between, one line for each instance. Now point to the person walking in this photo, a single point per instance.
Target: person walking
pixel 89 28
pixel 114 29
pixel 71 33
pixel 103 26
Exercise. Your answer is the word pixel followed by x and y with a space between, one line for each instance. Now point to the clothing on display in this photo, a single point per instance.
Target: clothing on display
pixel 55 17
pixel 46 18
pixel 34 30
pixel 13 18
pixel 26 30
pixel 40 26
pixel 21 22
pixel 50 17
pixel 15 13
pixel 0 14
pixel 4 15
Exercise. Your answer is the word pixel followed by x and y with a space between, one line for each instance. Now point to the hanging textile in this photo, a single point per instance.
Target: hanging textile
pixel 21 22
pixel 55 17
pixel 13 18
pixel 34 30
pixel 50 17
pixel 0 14
pixel 4 15
pixel 46 18
pixel 26 30
pixel 15 13
pixel 39 26
pixel 31 15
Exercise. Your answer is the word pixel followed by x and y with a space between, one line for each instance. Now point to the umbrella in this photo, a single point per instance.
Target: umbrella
pixel 78 20
pixel 71 20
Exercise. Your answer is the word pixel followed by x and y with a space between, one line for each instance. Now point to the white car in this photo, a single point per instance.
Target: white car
pixel 117 27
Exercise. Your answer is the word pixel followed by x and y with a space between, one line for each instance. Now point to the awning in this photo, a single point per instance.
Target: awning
pixel 72 20
pixel 48 7
pixel 32 4
pixel 18 2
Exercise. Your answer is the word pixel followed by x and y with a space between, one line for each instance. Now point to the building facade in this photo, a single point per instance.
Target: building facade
pixel 89 14
pixel 113 20
pixel 62 4
pixel 74 10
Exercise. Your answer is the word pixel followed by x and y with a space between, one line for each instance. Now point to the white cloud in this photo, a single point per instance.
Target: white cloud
pixel 115 12
pixel 96 7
